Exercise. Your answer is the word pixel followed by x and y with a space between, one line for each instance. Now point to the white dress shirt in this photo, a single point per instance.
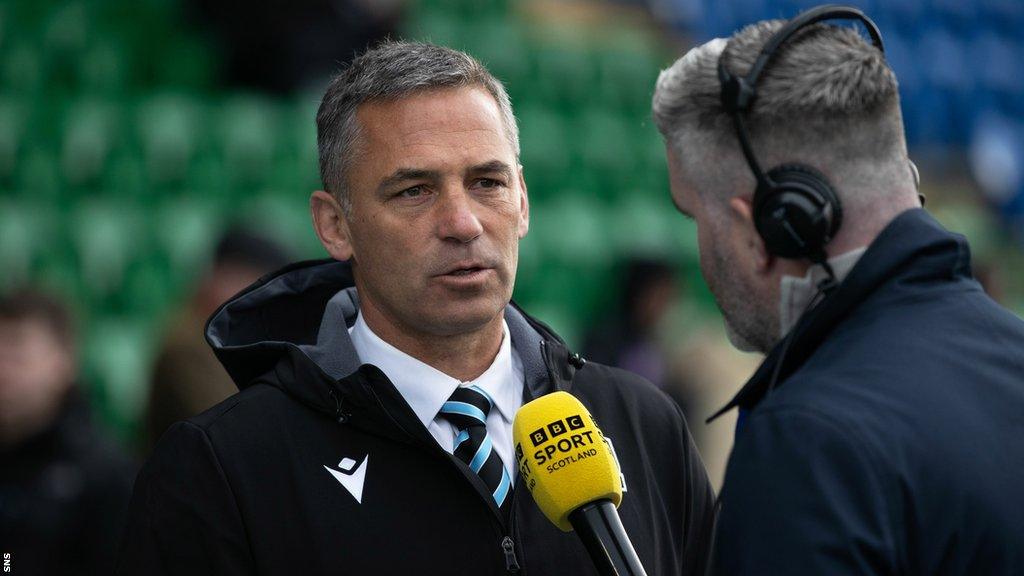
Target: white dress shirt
pixel 426 389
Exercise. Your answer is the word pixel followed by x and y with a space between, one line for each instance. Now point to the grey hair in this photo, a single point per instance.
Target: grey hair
pixel 827 99
pixel 390 71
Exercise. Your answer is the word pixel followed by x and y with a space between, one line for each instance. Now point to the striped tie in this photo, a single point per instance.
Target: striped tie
pixel 467 410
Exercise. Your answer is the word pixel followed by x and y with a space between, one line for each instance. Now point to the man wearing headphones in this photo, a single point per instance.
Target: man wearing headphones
pixel 883 434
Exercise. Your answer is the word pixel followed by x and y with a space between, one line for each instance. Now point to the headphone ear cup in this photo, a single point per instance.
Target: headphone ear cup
pixel 797 213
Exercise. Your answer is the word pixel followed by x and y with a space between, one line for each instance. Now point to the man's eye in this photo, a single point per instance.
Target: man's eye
pixel 489 183
pixel 414 192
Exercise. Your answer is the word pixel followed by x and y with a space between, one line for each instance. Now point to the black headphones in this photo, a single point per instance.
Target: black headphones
pixel 796 211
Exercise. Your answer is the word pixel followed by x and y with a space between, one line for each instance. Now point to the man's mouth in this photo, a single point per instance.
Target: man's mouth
pixel 465 268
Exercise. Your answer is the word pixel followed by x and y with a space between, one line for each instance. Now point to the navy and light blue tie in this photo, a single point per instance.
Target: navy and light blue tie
pixel 467 410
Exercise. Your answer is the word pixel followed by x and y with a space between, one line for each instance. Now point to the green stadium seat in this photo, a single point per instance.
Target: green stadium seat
pixel 184 231
pixel 563 69
pixel 102 69
pixel 208 178
pixel 572 230
pixel 21 70
pixel 151 287
pixel 247 127
pixel 22 232
pixel 108 236
pixel 645 222
pixel 91 130
pixel 117 355
pixel 12 128
pixel 185 61
pixel 437 28
pixel 38 175
pixel 501 45
pixel 168 125
pixel 125 177
pixel 546 149
pixel 604 148
pixel 627 70
pixel 285 217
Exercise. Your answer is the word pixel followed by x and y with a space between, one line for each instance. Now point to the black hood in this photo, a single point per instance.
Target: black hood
pixel 290 330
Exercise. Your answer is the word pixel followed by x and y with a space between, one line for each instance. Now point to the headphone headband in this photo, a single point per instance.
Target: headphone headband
pixel 796 210
pixel 740 97
pixel 739 92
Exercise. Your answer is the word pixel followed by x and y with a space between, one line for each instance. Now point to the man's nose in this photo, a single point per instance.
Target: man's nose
pixel 457 219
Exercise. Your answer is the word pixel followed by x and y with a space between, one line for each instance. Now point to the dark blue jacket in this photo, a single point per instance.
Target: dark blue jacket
pixel 894 441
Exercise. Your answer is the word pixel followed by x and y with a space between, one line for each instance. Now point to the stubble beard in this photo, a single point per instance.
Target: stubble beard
pixel 751 322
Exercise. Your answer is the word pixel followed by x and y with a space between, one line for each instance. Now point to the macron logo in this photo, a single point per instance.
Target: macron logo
pixel 351 476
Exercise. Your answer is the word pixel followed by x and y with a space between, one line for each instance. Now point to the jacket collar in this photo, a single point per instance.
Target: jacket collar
pixel 270 333
pixel 912 250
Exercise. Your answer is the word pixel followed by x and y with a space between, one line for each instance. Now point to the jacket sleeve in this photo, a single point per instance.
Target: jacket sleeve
pixel 183 518
pixel 803 495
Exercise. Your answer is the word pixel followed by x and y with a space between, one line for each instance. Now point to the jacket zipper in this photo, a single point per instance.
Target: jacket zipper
pixel 509 547
pixel 507 544
pixel 512 564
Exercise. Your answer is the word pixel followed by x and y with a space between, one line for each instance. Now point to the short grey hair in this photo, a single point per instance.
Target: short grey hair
pixel 390 71
pixel 827 99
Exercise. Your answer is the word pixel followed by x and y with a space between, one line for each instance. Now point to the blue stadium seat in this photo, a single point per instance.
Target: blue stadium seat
pixel 999 63
pixel 943 58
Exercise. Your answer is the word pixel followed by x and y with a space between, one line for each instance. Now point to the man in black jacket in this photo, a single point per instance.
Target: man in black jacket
pixel 883 432
pixel 346 450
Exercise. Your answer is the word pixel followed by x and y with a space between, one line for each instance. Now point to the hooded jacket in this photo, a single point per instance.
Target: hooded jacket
pixel 893 442
pixel 319 466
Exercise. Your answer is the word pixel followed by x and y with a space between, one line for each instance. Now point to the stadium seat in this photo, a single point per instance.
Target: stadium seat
pixel 90 133
pixel 168 125
pixel 117 354
pixel 247 128
pixel 12 129
pixel 108 236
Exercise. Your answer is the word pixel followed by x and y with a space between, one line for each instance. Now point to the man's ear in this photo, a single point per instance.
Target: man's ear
pixel 742 211
pixel 524 206
pixel 330 225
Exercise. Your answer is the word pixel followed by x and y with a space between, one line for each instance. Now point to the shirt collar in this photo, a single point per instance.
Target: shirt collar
pixel 426 388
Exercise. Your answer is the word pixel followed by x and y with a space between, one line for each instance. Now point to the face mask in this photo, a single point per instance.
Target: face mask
pixel 796 294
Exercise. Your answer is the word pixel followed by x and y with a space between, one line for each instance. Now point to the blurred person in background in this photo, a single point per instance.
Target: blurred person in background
pixel 187 378
pixel 630 338
pixel 372 434
pixel 883 432
pixel 64 487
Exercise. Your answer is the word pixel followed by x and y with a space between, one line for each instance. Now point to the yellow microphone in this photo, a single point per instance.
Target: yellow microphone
pixel 573 475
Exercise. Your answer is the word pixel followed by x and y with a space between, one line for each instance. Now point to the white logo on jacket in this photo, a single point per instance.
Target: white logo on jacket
pixel 351 476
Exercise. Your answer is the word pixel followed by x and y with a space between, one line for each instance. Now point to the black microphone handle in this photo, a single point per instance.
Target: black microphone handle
pixel 601 531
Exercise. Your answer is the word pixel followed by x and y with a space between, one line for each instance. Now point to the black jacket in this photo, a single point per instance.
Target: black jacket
pixel 894 443
pixel 246 488
pixel 63 497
